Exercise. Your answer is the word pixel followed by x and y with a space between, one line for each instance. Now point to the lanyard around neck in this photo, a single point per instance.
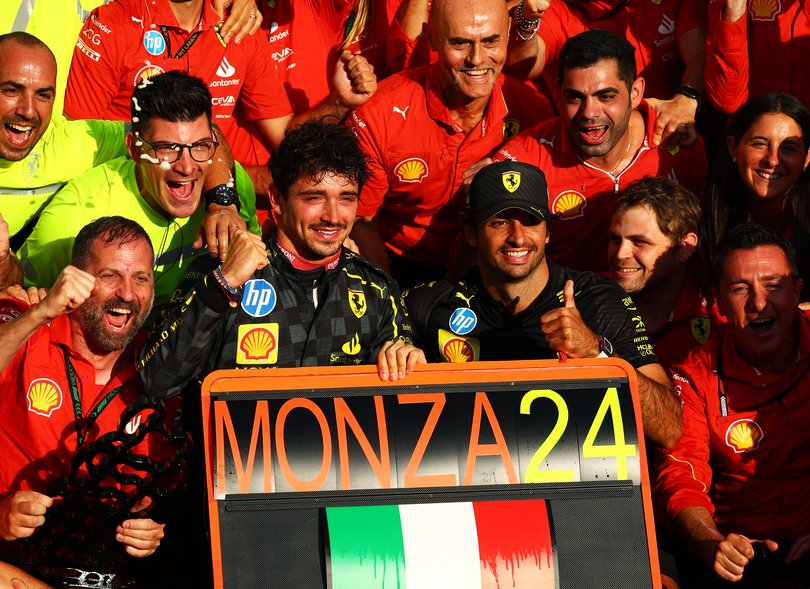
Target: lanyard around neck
pixel 83 425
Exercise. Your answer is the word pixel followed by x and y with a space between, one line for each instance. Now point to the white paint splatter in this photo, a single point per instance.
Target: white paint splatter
pixel 210 162
pixel 164 165
pixel 138 143
pixel 135 103
pixel 149 158
pixel 135 119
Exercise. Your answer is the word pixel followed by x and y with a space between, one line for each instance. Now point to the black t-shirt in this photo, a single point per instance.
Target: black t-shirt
pixel 460 322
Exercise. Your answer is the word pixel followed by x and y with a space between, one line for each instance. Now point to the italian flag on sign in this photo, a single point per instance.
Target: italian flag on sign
pixel 486 544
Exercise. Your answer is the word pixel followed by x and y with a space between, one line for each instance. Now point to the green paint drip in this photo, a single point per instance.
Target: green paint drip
pixel 366 547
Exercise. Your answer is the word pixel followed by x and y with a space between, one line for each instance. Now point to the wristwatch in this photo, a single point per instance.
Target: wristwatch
pixel 605 347
pixel 690 92
pixel 222 195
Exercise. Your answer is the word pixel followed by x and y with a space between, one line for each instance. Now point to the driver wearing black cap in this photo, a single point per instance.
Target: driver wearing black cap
pixel 516 304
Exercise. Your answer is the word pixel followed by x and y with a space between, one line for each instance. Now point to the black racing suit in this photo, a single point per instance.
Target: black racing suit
pixel 460 322
pixel 282 317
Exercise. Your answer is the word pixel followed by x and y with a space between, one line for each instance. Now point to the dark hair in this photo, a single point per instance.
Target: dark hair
pixel 676 209
pixel 108 230
pixel 26 40
pixel 315 149
pixel 725 200
pixel 173 96
pixel 748 236
pixel 589 48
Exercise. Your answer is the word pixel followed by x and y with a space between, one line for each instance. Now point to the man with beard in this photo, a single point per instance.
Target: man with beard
pixel 518 305
pixel 424 128
pixel 67 368
pixel 653 238
pixel 301 298
pixel 602 141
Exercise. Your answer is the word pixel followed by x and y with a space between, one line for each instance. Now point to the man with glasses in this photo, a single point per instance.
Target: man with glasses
pixel 159 186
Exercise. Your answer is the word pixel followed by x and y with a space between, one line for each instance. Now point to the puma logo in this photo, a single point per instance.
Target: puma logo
pixel 404 113
pixel 465 299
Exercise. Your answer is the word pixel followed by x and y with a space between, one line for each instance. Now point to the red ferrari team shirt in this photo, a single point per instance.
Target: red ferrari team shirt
pixel 653 28
pixel 584 196
pixel 39 436
pixel 417 156
pixel 305 38
pixel 126 41
pixel 766 50
pixel 746 464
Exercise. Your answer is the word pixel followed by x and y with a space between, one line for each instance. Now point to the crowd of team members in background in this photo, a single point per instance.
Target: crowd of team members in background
pixel 543 180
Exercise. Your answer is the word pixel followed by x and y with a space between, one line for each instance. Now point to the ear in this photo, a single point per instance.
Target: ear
pixel 687 247
pixel 731 146
pixel 133 150
pixel 637 92
pixel 470 235
pixel 718 301
pixel 807 160
pixel 276 201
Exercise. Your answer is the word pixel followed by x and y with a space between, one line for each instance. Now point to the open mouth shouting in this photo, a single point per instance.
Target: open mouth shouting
pixel 593 134
pixel 119 315
pixel 21 135
pixel 182 189
pixel 762 326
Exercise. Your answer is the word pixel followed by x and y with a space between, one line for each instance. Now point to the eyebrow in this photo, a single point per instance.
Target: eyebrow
pixel 577 94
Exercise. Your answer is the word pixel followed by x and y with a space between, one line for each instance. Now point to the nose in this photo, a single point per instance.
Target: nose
pixel 772 155
pixel 475 56
pixel 623 249
pixel 517 233
pixel 758 299
pixel 125 290
pixel 185 164
pixel 25 106
pixel 589 108
pixel 329 213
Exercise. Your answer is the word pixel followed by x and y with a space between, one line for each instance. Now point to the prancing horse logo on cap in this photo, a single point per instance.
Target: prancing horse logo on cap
pixel 511 180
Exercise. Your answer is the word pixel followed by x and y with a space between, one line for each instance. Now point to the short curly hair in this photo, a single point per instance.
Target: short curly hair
pixel 313 150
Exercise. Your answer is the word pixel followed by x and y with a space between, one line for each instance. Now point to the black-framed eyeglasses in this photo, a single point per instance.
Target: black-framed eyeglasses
pixel 200 151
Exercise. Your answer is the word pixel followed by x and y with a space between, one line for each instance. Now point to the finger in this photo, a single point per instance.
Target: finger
pixel 383 370
pixel 568 295
pixel 141 504
pixel 416 356
pixel 345 57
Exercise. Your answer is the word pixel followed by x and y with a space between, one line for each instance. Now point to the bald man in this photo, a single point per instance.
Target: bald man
pixel 425 126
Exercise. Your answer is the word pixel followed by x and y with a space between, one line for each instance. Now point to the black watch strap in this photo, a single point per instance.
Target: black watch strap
pixel 690 92
pixel 222 195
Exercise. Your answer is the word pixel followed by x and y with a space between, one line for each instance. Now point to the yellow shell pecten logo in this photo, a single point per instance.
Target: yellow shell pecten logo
pixel 764 9
pixel 569 204
pixel 744 435
pixel 258 344
pixel 44 397
pixel 455 348
pixel 411 170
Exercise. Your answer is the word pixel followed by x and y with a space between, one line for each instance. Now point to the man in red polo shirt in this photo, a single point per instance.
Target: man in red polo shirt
pixel 739 472
pixel 653 238
pixel 425 127
pixel 67 372
pixel 127 41
pixel 602 141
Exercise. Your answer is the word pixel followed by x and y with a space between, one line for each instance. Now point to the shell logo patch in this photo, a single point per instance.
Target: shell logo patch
pixel 145 73
pixel 44 397
pixel 764 9
pixel 569 204
pixel 257 344
pixel 511 180
pixel 701 328
pixel 744 435
pixel 357 302
pixel 411 170
pixel 454 348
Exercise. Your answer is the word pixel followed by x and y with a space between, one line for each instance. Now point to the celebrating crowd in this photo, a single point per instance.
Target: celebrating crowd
pixel 189 185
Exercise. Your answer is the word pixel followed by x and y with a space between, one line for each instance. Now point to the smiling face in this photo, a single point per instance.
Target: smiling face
pixel 758 295
pixel 470 37
pixel 640 255
pixel 770 156
pixel 27 90
pixel 172 189
pixel 122 296
pixel 315 218
pixel 596 105
pixel 511 246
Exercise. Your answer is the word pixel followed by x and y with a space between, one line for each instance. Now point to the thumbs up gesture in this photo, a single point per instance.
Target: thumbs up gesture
pixel 565 330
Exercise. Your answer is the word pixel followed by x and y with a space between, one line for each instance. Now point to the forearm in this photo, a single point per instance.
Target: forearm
pixel 178 348
pixel 692 47
pixel 14 333
pixel 661 411
pixel 695 528
pixel 330 108
pixel 221 170
pixel 10 270
pixel 412 16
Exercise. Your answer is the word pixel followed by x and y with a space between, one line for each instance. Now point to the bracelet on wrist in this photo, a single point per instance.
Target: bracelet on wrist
pixel 229 291
pixel 525 28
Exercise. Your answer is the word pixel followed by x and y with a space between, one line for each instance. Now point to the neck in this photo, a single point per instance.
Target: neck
pixel 776 363
pixel 465 113
pixel 657 303
pixel 187 13
pixel 763 211
pixel 103 362
pixel 516 296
